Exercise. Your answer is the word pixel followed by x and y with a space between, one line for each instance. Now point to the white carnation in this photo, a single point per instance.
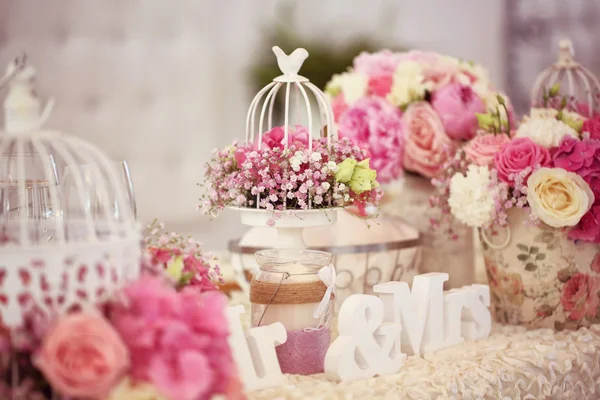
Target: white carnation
pixel 546 132
pixel 471 200
pixel 409 84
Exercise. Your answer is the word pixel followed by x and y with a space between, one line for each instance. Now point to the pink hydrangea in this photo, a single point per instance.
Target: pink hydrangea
pixel 177 341
pixel 580 156
pixel 457 106
pixel 376 123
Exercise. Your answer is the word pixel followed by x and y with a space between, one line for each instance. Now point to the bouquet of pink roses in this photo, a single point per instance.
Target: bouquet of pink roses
pixel 280 177
pixel 412 109
pixel 549 165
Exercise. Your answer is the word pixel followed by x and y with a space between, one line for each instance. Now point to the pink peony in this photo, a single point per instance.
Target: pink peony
pixel 517 155
pixel 457 105
pixel 339 106
pixel 177 341
pixel 83 356
pixel 380 85
pixel 580 296
pixel 482 149
pixel 297 135
pixel 580 156
pixel 592 126
pixel 426 143
pixel 377 124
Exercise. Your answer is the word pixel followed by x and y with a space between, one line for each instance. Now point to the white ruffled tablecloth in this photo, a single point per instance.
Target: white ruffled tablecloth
pixel 511 364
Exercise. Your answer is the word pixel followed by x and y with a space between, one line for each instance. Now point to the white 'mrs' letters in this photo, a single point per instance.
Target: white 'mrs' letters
pixel 372 330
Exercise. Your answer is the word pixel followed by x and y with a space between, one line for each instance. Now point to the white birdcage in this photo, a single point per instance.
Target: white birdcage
pixel 574 81
pixel 68 232
pixel 306 105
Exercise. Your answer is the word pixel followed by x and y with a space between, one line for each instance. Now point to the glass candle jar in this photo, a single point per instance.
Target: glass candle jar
pixel 295 287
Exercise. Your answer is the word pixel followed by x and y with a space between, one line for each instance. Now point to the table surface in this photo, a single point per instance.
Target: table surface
pixel 512 363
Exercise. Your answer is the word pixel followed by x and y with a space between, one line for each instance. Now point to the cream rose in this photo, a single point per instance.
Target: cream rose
pixel 557 197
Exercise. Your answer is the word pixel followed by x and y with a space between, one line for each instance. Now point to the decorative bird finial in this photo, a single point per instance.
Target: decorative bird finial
pixel 565 52
pixel 290 64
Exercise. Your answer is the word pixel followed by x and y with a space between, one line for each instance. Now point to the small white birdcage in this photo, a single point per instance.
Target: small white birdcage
pixel 304 105
pixel 298 106
pixel 68 236
pixel 574 81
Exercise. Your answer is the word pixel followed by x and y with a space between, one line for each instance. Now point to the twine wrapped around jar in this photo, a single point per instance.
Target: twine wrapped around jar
pixel 286 293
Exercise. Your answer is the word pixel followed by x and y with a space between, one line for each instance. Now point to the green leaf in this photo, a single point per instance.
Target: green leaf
pixel 530 267
pixel 522 247
pixel 554 89
pixel 540 257
pixel 534 250
pixel 523 257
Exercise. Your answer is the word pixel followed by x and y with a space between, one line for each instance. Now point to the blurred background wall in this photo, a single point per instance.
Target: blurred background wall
pixel 160 83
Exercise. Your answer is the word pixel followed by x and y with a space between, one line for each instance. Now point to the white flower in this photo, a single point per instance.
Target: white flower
pixel 409 84
pixel 325 185
pixel 273 197
pixel 295 163
pixel 471 200
pixel 316 156
pixel 552 113
pixel 318 199
pixel 332 166
pixel 352 85
pixel 341 186
pixel 546 132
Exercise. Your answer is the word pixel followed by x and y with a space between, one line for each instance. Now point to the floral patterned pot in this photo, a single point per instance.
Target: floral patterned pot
pixel 539 278
pixel 409 200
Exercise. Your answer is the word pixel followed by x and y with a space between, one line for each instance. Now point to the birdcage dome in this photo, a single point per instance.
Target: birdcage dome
pixel 68 236
pixel 303 104
pixel 574 81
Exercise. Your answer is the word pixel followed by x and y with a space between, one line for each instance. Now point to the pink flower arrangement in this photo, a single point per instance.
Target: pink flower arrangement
pixel 181 258
pixel 548 165
pixel 437 98
pixel 159 337
pixel 280 178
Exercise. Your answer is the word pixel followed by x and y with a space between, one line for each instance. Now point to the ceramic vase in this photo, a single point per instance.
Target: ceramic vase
pixel 538 277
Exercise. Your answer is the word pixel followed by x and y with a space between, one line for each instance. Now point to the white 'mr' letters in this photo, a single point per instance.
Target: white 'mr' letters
pixel 254 351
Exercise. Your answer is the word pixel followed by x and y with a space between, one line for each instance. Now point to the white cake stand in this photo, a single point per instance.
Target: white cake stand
pixel 289 226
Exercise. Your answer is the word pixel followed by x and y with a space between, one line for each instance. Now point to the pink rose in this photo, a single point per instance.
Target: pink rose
pixel 426 143
pixel 83 356
pixel 482 149
pixel 297 136
pixel 517 155
pixel 592 126
pixel 580 296
pixel 457 105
